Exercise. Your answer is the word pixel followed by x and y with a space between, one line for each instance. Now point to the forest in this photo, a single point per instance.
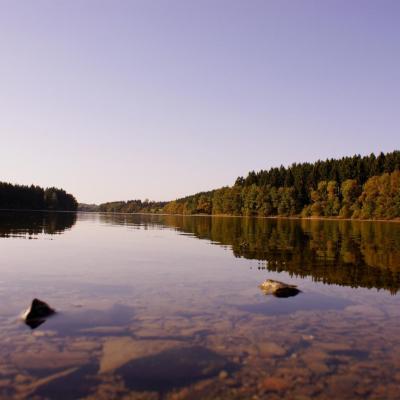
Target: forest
pixel 20 197
pixel 133 206
pixel 351 187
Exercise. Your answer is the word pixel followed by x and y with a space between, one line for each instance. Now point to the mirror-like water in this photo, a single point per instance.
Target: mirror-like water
pixel 146 310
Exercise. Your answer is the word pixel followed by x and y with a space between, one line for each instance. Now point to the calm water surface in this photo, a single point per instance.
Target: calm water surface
pixel 166 307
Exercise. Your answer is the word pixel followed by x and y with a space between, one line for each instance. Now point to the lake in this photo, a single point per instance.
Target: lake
pixel 169 307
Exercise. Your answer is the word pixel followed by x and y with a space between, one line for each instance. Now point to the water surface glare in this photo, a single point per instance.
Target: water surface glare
pixel 169 307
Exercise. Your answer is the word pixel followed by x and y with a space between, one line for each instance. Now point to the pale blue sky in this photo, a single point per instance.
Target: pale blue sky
pixel 159 99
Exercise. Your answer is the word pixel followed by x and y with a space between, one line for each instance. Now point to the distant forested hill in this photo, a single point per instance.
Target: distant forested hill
pixel 88 207
pixel 350 187
pixel 35 198
pixel 133 206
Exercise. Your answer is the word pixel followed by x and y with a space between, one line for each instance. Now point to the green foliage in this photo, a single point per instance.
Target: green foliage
pixel 88 207
pixel 134 206
pixel 352 187
pixel 380 198
pixel 286 201
pixel 350 191
pixel 35 198
pixel 325 199
pixel 204 205
pixel 250 197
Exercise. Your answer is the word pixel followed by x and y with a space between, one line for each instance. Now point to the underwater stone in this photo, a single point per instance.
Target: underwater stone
pixel 279 289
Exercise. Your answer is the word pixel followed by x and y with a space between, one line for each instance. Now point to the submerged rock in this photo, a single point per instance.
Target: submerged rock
pixel 37 313
pixel 274 384
pixel 279 289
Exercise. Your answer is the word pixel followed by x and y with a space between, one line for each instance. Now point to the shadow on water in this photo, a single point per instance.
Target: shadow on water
pixel 75 385
pixel 33 223
pixel 169 369
pixel 173 368
pixel 285 293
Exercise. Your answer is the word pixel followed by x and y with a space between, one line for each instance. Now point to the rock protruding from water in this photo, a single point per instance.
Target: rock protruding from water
pixel 37 313
pixel 279 289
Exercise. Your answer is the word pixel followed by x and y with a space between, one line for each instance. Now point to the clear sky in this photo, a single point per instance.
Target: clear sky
pixel 158 99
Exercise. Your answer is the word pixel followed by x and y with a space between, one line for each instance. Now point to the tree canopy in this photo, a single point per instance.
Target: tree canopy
pixel 350 187
pixel 132 206
pixel 35 198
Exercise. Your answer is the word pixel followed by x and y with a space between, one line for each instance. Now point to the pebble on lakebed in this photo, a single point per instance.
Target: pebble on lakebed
pixel 279 289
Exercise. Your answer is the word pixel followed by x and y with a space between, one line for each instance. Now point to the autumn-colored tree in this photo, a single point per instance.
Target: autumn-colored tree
pixel 350 191
pixel 204 205
pixel 380 197
pixel 250 197
pixel 356 187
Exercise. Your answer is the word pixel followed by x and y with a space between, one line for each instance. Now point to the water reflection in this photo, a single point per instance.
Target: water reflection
pixel 146 311
pixel 91 321
pixel 305 302
pixel 31 224
pixel 348 253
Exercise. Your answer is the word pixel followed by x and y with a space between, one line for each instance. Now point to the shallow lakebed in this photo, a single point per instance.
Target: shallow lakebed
pixel 168 307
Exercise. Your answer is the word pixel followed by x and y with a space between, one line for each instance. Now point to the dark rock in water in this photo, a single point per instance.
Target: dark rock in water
pixel 279 289
pixel 287 292
pixel 37 313
pixel 34 323
pixel 174 368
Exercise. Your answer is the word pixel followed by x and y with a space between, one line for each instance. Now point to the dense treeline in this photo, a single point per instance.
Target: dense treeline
pixel 133 206
pixel 352 187
pixel 35 198
pixel 88 207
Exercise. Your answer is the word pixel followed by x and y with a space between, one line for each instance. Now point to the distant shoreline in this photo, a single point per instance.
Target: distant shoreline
pixel 36 210
pixel 299 218
pixel 396 220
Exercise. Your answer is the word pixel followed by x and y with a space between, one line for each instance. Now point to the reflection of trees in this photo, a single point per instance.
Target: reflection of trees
pixel 349 253
pixel 34 223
